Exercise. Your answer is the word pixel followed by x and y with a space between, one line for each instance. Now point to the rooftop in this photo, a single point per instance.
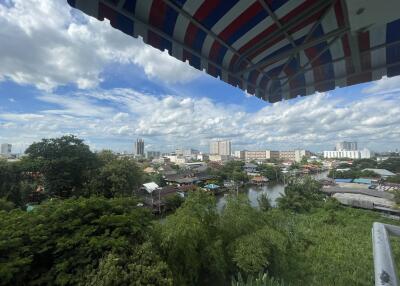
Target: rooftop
pixel 381 172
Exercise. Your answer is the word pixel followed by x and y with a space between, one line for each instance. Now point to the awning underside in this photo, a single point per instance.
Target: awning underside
pixel 274 49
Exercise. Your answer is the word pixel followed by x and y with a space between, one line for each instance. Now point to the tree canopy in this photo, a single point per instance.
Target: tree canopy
pixel 65 163
pixel 62 241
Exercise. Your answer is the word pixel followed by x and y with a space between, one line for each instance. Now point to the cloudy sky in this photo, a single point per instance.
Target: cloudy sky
pixel 64 73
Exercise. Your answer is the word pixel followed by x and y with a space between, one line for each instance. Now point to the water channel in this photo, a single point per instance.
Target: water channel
pixel 273 190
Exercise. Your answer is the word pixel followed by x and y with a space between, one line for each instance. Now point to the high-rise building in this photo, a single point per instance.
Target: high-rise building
pixel 139 147
pixel 346 146
pixel 223 147
pixel 6 149
pixel 214 147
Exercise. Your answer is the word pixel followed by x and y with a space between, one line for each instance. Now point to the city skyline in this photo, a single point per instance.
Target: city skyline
pixel 128 90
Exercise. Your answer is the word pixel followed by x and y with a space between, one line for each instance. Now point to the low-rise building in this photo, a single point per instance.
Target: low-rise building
pixel 274 155
pixel 294 155
pixel 256 155
pixel 202 157
pixel 177 159
pixel 250 168
pixel 219 158
pixel 239 154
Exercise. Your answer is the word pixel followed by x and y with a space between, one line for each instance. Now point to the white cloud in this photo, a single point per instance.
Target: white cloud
pixel 384 86
pixel 45 44
pixel 167 122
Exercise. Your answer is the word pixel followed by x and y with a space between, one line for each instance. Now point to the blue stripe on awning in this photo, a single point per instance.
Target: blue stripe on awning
pixel 393 52
pixel 223 7
pixel 130 6
pixel 170 20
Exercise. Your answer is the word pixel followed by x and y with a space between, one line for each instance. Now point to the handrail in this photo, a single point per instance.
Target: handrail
pixel 384 264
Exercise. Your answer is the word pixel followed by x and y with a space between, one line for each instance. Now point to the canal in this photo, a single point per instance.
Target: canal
pixel 273 190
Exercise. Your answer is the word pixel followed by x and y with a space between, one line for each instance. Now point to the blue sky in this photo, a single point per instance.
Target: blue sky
pixel 62 72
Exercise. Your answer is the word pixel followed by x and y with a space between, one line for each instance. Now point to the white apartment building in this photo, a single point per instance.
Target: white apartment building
pixel 6 149
pixel 366 154
pixel 222 147
pixel 346 146
pixel 351 154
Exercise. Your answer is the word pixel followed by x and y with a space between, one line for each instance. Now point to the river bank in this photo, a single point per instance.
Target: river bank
pixel 273 190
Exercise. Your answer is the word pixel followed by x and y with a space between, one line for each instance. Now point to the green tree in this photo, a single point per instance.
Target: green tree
pixel 301 195
pixel 391 164
pixel 393 179
pixel 118 177
pixel 15 184
pixel 61 240
pixel 232 170
pixel 273 173
pixel 6 205
pixel 264 202
pixel 189 243
pixel 361 164
pixel 65 163
pixel 142 267
pixel 174 202
pixel 252 243
pixel 262 279
pixel 259 250
pixel 105 156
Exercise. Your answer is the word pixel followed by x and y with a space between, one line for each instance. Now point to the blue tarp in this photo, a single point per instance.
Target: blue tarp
pixel 211 186
pixel 343 180
pixel 362 181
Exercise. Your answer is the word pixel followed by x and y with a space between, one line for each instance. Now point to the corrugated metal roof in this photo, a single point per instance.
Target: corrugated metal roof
pixel 275 50
pixel 381 172
pixel 150 187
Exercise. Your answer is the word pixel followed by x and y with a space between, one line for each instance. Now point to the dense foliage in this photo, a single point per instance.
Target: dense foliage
pixel 391 164
pixel 118 177
pixel 90 230
pixel 301 195
pixel 65 167
pixel 64 162
pixel 357 167
pixel 62 242
pixel 99 241
pixel 352 174
pixel 271 172
pixel 15 183
pixel 232 170
pixel 393 179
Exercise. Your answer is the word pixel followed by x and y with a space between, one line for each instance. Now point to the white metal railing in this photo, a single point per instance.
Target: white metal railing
pixel 384 264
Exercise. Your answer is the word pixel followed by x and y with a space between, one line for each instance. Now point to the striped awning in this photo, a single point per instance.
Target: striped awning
pixel 274 49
